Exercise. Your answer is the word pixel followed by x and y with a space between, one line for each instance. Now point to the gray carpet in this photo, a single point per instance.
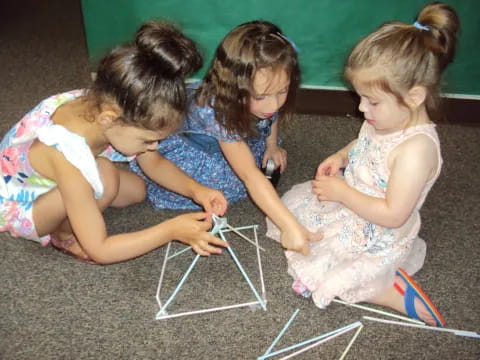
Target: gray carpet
pixel 54 307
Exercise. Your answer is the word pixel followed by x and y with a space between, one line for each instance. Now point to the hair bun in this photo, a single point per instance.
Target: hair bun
pixel 443 24
pixel 165 48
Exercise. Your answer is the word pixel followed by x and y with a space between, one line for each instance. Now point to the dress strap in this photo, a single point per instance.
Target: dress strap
pixel 76 151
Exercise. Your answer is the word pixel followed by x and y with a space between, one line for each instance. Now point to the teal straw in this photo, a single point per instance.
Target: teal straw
pixel 285 327
pixel 160 313
pixel 357 323
pixel 240 267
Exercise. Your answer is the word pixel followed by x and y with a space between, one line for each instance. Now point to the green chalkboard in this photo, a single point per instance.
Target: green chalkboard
pixel 324 30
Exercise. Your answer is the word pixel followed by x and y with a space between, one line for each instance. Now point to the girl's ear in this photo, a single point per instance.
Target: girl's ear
pixel 107 118
pixel 108 115
pixel 416 96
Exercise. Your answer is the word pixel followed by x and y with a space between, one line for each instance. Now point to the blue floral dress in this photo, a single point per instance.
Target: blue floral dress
pixel 195 150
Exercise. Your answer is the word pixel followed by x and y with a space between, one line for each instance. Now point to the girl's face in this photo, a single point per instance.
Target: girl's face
pixel 131 140
pixel 270 90
pixel 380 109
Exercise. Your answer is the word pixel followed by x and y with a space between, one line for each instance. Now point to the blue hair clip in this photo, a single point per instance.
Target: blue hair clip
pixel 420 26
pixel 290 41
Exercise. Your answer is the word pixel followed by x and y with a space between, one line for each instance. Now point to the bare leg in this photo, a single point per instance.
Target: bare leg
pixel 132 189
pixel 393 299
pixel 50 216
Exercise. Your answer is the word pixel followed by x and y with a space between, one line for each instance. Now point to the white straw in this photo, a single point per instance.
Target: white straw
pixel 379 312
pixel 164 265
pixel 242 236
pixel 220 226
pixel 262 282
pixel 245 276
pixel 455 331
pixel 319 342
pixel 351 342
pixel 161 317
pixel 309 341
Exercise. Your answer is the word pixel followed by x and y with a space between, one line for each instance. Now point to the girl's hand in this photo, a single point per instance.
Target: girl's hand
pixel 192 229
pixel 278 155
pixel 211 200
pixel 331 165
pixel 298 240
pixel 329 188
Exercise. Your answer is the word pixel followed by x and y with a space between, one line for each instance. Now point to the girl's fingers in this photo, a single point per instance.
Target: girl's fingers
pixel 216 241
pixel 305 250
pixel 212 249
pixel 316 236
pixel 200 251
pixel 200 215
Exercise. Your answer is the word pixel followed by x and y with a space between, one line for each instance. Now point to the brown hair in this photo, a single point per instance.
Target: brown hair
pixel 146 78
pixel 407 55
pixel 227 86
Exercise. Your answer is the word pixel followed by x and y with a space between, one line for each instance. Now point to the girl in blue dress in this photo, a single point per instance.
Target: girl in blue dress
pixel 231 128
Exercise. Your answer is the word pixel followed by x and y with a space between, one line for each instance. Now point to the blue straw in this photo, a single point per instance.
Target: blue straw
pixel 285 327
pixel 260 300
pixel 308 341
pixel 217 228
pixel 179 252
pixel 160 313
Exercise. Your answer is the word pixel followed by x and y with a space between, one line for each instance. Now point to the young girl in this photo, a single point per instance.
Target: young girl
pixel 231 128
pixel 370 217
pixel 57 179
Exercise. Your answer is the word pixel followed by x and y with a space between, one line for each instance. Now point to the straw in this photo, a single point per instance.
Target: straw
pixel 179 285
pixel 285 327
pixel 161 317
pixel 351 342
pixel 426 327
pixel 262 282
pixel 318 343
pixel 164 265
pixel 379 312
pixel 230 228
pixel 240 267
pixel 309 341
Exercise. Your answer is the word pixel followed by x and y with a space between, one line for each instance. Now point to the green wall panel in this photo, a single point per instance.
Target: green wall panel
pixel 324 30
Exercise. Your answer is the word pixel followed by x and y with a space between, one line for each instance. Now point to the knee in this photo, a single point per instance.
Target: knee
pixel 110 180
pixel 138 191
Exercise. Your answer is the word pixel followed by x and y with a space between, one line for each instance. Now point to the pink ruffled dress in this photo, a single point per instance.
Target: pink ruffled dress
pixel 357 259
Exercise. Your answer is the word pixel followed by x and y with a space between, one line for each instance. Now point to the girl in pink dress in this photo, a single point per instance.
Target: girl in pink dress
pixel 370 215
pixel 57 174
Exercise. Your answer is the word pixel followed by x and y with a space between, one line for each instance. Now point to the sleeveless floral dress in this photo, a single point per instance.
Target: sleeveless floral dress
pixel 357 259
pixel 20 184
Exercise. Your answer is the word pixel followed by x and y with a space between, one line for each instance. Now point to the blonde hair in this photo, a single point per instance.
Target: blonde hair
pixel 407 55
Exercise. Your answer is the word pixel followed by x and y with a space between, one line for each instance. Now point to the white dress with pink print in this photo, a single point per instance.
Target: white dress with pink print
pixel 20 185
pixel 357 259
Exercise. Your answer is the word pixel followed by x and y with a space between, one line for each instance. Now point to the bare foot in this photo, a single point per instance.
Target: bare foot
pixel 393 299
pixel 420 308
pixel 68 244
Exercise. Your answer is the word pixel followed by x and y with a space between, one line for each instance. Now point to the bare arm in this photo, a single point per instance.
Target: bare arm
pixel 73 198
pixel 412 164
pixel 168 175
pixel 273 151
pixel 240 158
pixel 331 165
pixel 88 224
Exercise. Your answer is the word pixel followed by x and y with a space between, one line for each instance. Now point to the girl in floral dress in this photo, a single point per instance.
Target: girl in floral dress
pixel 370 216
pixel 57 176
